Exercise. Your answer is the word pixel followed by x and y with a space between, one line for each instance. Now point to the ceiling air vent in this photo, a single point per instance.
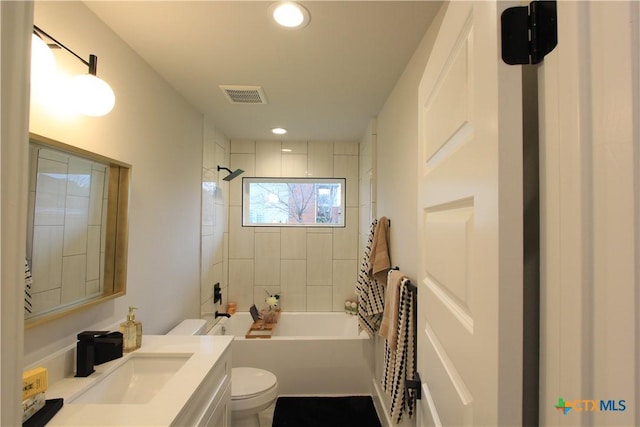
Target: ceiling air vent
pixel 244 94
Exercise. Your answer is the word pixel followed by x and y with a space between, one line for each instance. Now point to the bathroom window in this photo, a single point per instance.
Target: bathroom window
pixel 293 202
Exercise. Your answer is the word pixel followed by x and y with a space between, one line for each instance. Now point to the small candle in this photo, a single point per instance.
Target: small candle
pixel 231 307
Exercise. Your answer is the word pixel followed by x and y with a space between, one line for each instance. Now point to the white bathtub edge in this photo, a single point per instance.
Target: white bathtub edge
pixel 218 328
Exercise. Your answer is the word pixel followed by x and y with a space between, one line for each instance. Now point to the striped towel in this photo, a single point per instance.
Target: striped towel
pixel 28 282
pixel 369 291
pixel 399 362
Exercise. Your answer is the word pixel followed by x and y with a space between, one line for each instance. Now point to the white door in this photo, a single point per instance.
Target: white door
pixel 470 214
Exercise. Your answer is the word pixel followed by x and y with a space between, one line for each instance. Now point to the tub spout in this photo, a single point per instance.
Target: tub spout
pixel 221 315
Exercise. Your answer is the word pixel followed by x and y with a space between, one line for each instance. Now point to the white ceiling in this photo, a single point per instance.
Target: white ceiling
pixel 322 82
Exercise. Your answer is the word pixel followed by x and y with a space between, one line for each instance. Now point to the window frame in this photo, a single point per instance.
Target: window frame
pixel 246 181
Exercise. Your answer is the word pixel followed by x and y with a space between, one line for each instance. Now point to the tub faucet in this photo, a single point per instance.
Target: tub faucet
pixel 221 315
pixel 94 348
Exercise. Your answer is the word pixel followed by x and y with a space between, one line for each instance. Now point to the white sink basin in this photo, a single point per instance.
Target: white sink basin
pixel 136 381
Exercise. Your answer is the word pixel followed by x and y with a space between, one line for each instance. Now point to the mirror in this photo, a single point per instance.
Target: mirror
pixel 76 230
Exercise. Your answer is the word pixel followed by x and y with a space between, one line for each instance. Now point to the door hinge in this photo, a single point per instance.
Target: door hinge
pixel 529 33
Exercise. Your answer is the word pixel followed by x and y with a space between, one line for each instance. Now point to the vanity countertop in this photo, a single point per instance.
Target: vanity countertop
pixel 165 406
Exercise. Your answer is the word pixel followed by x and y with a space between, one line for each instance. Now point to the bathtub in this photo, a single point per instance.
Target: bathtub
pixel 310 353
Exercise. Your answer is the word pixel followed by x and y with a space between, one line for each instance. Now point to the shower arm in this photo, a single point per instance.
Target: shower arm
pixel 232 174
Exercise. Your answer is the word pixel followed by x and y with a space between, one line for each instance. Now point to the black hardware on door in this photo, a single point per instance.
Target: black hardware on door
pixel 529 33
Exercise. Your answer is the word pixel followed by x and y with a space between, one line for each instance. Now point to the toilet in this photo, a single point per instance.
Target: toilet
pixel 252 389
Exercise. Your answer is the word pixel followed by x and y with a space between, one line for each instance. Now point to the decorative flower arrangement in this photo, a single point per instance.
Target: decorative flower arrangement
pixel 273 301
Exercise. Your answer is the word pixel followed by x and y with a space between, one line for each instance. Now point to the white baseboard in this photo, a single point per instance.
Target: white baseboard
pixel 378 402
pixel 381 408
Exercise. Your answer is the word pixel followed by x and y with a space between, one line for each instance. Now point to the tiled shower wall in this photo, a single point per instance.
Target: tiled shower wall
pixel 312 269
pixel 215 196
pixel 367 186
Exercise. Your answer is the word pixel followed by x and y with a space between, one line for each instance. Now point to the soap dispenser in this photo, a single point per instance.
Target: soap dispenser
pixel 131 332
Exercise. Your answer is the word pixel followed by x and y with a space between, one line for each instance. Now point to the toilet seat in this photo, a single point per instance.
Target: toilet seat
pixel 252 389
pixel 248 382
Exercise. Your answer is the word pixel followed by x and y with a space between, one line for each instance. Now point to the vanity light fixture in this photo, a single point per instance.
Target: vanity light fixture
pixel 290 14
pixel 278 131
pixel 43 63
pixel 89 95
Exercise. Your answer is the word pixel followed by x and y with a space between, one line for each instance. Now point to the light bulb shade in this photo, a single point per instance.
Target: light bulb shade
pixel 91 95
pixel 43 63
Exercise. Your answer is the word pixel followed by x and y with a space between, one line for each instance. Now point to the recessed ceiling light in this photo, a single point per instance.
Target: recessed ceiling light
pixel 279 131
pixel 290 14
pixel 286 150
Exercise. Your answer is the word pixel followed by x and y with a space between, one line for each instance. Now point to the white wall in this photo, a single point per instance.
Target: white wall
pixel 396 168
pixel 313 269
pixel 160 135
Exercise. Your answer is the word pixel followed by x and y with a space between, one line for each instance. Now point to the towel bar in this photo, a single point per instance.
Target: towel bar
pixel 414 384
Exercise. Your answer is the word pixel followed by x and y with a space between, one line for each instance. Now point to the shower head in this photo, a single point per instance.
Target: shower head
pixel 232 174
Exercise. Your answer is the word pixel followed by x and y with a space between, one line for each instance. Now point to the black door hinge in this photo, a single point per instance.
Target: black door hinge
pixel 529 33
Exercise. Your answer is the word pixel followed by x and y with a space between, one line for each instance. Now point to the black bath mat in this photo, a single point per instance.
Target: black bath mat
pixel 349 411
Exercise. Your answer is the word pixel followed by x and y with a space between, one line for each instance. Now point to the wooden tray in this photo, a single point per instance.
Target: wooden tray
pixel 260 329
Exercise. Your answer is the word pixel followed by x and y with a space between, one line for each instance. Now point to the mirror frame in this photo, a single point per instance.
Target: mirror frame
pixel 116 244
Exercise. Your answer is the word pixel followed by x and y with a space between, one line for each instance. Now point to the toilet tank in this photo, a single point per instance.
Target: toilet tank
pixel 190 327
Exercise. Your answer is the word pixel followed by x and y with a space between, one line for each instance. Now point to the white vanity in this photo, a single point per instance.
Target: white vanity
pixel 170 381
